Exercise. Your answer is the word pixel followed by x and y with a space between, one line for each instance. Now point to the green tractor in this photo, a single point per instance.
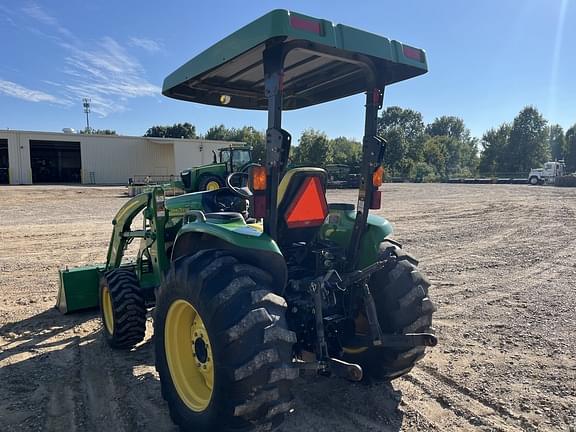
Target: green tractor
pixel 257 282
pixel 213 176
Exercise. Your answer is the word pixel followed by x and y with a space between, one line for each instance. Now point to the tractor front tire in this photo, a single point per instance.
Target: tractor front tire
pixel 534 180
pixel 208 182
pixel 223 348
pixel 122 308
pixel 400 294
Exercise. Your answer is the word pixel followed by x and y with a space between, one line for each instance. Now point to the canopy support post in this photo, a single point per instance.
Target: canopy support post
pixel 372 156
pixel 276 157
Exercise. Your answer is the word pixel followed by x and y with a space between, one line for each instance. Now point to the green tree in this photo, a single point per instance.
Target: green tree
pixel 220 133
pixel 396 158
pixel 449 126
pixel 245 134
pixel 435 152
pixel 461 149
pixel 557 142
pixel 403 129
pixel 409 121
pixel 528 143
pixel 346 151
pixel 570 156
pixel 314 149
pixel 177 130
pixel 423 172
pixel 495 145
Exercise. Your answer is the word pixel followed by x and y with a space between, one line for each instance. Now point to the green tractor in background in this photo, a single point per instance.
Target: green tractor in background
pixel 262 280
pixel 213 176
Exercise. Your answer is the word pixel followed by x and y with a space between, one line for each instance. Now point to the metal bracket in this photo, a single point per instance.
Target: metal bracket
pixel 198 215
pixel 337 367
pixel 363 274
pixel 372 315
pixel 409 340
pixel 322 349
pixel 343 369
pixel 274 141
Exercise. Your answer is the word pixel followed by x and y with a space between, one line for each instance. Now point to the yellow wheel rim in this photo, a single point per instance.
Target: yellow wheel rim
pixel 107 310
pixel 361 325
pixel 189 355
pixel 212 185
pixel 350 350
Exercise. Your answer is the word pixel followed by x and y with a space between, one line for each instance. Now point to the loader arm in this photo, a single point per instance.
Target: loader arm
pixel 153 205
pixel 121 223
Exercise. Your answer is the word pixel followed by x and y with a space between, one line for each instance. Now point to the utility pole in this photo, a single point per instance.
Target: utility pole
pixel 86 104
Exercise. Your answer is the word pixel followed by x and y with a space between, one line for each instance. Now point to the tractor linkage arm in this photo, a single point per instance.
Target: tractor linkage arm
pixel 332 280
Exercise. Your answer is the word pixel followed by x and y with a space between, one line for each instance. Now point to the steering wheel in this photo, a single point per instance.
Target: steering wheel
pixel 243 191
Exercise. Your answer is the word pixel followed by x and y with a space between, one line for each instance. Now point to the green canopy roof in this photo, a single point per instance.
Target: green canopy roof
pixel 325 66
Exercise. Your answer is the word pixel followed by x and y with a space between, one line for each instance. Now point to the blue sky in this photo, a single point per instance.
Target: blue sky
pixel 487 60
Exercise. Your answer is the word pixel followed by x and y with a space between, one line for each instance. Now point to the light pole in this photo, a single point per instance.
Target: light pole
pixel 86 104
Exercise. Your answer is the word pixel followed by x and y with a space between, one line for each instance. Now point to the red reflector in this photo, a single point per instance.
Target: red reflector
pixel 412 53
pixel 309 208
pixel 305 24
pixel 376 200
pixel 259 206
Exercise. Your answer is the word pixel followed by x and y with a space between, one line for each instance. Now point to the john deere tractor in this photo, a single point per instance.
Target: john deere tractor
pixel 257 282
pixel 213 176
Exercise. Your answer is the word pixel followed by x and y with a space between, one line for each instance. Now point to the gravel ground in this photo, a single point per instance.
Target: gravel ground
pixel 502 260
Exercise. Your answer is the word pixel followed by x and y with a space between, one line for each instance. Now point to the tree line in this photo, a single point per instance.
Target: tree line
pixel 415 150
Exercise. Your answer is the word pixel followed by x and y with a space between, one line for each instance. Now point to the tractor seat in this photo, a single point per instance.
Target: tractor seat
pixel 302 205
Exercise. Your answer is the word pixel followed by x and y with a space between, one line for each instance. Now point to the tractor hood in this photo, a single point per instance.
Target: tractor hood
pixel 325 64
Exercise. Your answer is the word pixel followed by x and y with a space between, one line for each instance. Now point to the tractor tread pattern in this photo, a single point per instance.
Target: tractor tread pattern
pixel 247 323
pixel 129 309
pixel 403 306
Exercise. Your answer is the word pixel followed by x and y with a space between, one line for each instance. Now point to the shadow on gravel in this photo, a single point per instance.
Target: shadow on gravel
pixel 330 404
pixel 34 332
pixel 58 374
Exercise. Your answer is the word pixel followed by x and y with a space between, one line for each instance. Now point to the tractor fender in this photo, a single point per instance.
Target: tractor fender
pixel 247 243
pixel 379 229
pixel 340 224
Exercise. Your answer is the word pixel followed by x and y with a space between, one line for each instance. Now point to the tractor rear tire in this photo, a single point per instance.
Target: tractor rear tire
pixel 238 376
pixel 210 182
pixel 403 306
pixel 122 308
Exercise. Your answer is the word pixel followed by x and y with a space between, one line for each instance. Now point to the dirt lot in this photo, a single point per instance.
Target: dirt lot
pixel 502 260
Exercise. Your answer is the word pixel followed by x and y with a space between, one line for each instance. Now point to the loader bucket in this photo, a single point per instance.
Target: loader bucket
pixel 78 288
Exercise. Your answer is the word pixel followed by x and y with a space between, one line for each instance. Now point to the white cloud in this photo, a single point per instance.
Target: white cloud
pixel 108 75
pixel 10 88
pixel 103 71
pixel 36 12
pixel 149 45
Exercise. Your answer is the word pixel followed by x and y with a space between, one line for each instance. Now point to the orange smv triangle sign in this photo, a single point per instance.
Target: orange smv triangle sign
pixel 309 209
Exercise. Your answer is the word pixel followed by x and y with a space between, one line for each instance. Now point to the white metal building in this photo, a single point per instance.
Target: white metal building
pixel 48 157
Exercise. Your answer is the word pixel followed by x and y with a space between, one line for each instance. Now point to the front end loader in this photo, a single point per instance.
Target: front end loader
pixel 258 282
